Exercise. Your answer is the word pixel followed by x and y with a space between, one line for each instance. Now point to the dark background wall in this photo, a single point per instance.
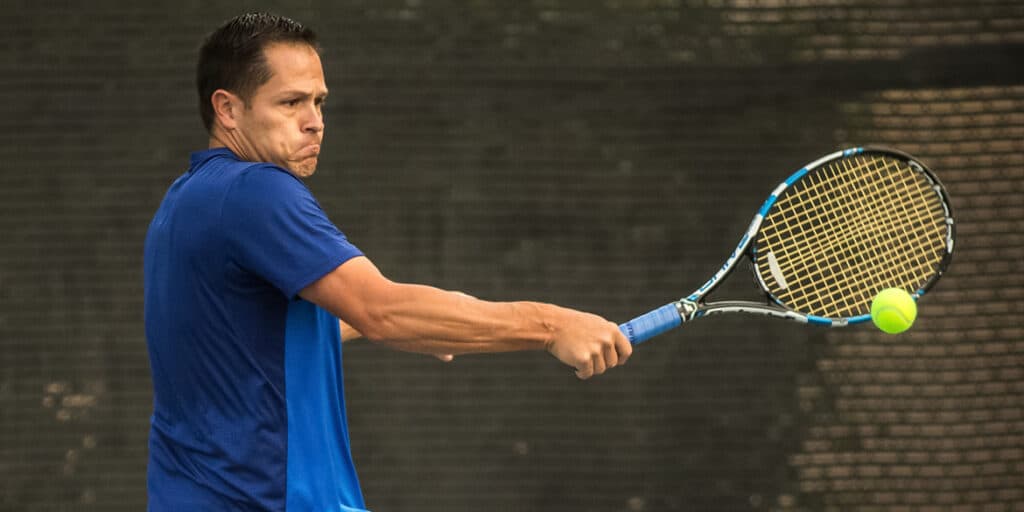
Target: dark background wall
pixel 600 155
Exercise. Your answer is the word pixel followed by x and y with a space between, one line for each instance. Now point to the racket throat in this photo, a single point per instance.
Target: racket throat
pixel 687 309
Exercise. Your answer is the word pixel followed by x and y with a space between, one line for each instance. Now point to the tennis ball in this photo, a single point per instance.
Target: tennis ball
pixel 893 310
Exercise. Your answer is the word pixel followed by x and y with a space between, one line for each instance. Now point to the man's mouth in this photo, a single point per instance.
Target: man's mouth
pixel 309 151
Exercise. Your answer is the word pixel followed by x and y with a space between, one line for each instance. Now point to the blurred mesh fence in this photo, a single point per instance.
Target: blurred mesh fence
pixel 605 156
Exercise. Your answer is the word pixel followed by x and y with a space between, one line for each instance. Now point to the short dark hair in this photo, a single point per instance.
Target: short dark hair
pixel 232 58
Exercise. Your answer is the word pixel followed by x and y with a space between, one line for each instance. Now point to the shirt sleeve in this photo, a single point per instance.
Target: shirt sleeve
pixel 278 231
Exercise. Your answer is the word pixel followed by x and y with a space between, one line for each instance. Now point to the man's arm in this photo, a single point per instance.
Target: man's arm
pixel 425 319
pixel 349 333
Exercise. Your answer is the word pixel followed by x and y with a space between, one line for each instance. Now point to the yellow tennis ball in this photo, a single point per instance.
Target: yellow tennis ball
pixel 893 310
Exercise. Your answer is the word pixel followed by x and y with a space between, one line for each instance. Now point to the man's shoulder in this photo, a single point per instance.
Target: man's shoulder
pixel 219 166
pixel 261 179
pixel 223 159
pixel 257 189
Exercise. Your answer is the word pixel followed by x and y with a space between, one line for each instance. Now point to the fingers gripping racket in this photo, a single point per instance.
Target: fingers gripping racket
pixel 828 239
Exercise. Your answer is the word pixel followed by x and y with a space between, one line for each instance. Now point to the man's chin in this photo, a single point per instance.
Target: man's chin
pixel 305 168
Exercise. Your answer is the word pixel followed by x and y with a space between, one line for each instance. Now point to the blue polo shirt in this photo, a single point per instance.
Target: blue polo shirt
pixel 248 409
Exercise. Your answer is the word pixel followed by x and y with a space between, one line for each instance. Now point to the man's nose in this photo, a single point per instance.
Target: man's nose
pixel 314 120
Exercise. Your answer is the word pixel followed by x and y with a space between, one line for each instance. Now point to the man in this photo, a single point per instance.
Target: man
pixel 246 280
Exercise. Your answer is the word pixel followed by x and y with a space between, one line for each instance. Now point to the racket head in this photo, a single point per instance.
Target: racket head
pixel 847 226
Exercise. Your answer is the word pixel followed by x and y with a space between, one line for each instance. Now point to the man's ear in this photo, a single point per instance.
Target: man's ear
pixel 226 107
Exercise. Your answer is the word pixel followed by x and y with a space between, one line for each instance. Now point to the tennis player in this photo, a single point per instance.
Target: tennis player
pixel 250 290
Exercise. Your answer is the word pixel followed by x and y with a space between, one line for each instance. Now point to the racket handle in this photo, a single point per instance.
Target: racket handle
pixel 649 325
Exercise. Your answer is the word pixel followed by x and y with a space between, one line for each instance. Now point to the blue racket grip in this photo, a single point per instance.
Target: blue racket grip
pixel 649 325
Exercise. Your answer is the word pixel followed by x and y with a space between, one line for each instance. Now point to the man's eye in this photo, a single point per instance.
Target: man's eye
pixel 292 103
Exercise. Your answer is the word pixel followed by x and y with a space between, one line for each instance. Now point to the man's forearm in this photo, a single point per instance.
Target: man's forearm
pixel 454 323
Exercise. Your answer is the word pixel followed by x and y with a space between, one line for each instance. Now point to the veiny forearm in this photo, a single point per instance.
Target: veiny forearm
pixel 423 318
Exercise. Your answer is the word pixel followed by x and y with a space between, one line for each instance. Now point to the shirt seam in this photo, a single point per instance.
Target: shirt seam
pixel 313 275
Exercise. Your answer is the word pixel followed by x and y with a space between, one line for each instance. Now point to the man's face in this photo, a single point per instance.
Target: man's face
pixel 283 121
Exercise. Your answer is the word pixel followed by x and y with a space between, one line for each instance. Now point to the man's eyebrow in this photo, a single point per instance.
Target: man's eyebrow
pixel 301 94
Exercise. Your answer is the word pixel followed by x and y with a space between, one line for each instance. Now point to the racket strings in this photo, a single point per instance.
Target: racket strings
pixel 831 237
pixel 893 222
pixel 864 195
pixel 841 271
pixel 832 232
pixel 849 229
pixel 918 259
pixel 871 255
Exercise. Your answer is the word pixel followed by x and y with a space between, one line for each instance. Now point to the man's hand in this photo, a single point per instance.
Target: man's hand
pixel 588 343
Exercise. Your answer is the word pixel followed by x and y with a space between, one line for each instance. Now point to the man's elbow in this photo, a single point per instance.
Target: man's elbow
pixel 379 324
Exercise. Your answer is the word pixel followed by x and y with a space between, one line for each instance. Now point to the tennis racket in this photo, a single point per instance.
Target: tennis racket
pixel 828 239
